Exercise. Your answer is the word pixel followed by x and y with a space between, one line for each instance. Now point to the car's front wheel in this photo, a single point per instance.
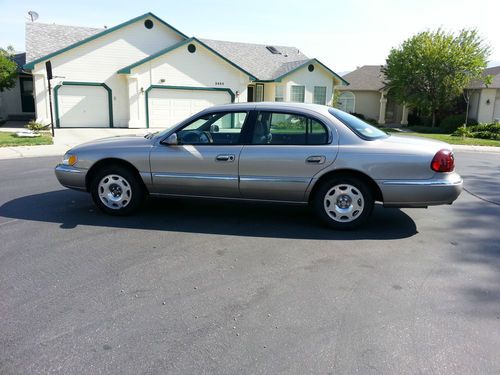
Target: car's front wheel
pixel 343 202
pixel 116 190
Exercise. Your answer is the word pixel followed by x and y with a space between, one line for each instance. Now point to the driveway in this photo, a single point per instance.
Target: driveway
pixel 189 287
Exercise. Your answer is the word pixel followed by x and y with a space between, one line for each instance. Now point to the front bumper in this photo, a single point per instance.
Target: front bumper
pixel 421 193
pixel 71 177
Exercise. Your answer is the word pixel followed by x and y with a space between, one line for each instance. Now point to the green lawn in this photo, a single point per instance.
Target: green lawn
pixel 454 140
pixel 10 139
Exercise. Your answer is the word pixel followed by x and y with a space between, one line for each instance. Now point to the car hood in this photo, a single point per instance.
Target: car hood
pixel 114 142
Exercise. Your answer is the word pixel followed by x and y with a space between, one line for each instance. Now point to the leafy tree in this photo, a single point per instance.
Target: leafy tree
pixel 429 70
pixel 8 69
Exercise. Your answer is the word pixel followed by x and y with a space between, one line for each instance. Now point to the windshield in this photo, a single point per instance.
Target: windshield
pixel 161 133
pixel 357 125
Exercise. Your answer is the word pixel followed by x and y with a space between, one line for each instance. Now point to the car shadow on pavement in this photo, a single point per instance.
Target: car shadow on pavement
pixel 70 209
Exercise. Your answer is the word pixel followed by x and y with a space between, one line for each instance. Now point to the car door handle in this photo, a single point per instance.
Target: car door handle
pixel 316 159
pixel 225 157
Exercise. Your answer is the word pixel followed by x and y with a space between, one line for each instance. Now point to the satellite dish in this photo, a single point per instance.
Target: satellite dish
pixel 33 15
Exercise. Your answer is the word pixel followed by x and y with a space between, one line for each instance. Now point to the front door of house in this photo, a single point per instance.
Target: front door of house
pixel 250 93
pixel 27 99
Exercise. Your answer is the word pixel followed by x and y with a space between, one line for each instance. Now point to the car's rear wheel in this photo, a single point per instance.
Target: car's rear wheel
pixel 343 202
pixel 117 190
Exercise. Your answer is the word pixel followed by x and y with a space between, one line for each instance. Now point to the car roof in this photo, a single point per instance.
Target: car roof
pixel 271 106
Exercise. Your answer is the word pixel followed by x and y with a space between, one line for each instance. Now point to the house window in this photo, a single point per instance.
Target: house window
pixel 319 95
pixel 279 94
pixel 297 93
pixel 259 92
pixel 347 102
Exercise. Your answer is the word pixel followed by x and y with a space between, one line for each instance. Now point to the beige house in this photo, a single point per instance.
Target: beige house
pixel 484 104
pixel 368 95
pixel 146 73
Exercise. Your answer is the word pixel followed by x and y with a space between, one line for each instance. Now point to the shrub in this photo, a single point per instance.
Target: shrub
pixel 462 131
pixel 426 129
pixel 452 122
pixel 36 126
pixel 483 131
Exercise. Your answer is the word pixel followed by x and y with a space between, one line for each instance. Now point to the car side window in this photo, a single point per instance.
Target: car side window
pixel 276 128
pixel 213 128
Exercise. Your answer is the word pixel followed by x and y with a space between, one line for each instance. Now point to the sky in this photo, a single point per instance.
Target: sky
pixel 342 34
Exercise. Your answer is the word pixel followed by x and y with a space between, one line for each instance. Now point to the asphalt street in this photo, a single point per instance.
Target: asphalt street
pixel 208 287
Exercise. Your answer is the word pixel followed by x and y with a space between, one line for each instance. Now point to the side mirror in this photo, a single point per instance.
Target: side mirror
pixel 214 128
pixel 171 139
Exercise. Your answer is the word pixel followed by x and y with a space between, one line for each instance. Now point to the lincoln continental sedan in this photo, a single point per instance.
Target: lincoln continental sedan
pixel 276 152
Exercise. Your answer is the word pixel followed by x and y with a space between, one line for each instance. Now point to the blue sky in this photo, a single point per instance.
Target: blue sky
pixel 342 34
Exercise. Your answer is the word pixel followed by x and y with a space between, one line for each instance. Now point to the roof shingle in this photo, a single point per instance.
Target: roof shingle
pixel 257 59
pixel 495 82
pixel 366 78
pixel 44 38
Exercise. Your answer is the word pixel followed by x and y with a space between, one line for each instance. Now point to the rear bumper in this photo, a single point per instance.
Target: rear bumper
pixel 71 177
pixel 421 193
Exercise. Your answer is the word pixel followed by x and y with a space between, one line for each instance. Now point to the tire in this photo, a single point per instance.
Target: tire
pixel 343 202
pixel 116 190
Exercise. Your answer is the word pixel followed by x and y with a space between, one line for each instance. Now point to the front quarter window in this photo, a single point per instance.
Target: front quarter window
pixel 358 126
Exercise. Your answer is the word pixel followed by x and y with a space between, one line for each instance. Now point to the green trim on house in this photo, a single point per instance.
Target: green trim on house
pixel 278 79
pixel 229 91
pixel 127 69
pixel 73 83
pixel 31 65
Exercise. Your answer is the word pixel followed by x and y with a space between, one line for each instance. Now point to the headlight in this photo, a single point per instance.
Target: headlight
pixel 69 159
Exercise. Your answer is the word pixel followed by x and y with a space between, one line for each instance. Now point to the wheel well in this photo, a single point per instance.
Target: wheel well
pixel 111 161
pixel 353 173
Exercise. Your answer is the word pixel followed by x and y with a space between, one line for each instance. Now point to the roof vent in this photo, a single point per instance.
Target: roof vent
pixel 273 50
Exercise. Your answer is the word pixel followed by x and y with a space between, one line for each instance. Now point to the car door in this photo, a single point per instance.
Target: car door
pixel 286 150
pixel 204 162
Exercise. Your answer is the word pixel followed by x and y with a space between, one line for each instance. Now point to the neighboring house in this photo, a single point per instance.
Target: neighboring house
pixel 18 103
pixel 145 73
pixel 484 103
pixel 368 95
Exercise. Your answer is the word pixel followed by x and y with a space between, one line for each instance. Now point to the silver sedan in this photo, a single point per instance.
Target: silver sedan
pixel 281 152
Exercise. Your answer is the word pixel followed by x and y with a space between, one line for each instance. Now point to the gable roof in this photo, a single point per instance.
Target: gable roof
pixel 366 78
pixel 127 69
pixel 43 39
pixel 76 36
pixel 257 59
pixel 495 82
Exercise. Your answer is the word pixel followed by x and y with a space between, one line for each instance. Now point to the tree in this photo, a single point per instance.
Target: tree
pixel 429 70
pixel 8 69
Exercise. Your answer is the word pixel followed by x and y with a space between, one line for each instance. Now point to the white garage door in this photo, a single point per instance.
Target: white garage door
pixel 83 106
pixel 167 107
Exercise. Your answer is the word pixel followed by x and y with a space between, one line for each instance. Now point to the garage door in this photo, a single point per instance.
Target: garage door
pixel 83 106
pixel 167 107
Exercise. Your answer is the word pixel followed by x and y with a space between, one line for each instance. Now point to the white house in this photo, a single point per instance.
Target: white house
pixel 485 98
pixel 145 73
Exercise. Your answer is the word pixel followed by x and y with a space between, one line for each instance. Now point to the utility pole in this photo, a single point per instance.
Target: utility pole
pixel 48 68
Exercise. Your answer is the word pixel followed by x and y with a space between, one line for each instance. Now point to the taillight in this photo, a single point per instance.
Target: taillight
pixel 443 161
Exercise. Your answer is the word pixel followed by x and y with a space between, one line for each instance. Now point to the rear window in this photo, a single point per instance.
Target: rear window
pixel 358 126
